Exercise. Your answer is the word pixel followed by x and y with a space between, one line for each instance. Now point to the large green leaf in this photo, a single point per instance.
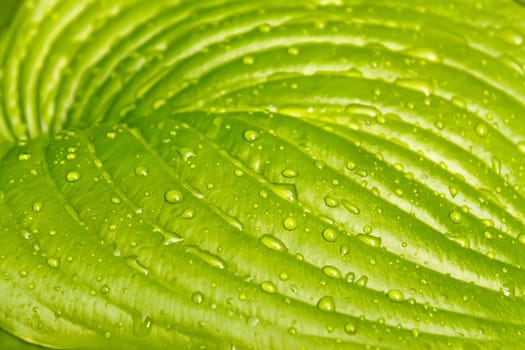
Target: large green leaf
pixel 262 174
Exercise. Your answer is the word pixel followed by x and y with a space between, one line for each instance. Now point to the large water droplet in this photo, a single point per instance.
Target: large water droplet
pixel 290 223
pixel 372 241
pixel 329 234
pixel 269 287
pixel 273 243
pixel 395 295
pixel 251 135
pixel 350 328
pixel 73 176
pixel 332 272
pixel 326 303
pixel 141 170
pixel 289 173
pixel 197 298
pixel 53 262
pixel 331 202
pixel 352 208
pixel 173 196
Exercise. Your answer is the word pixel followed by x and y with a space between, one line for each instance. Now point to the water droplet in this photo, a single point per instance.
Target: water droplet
pixel 521 147
pixel 251 135
pixel 197 298
pixel 331 202
pixel 273 243
pixel 209 258
pixel 188 214
pixel 351 165
pixel 22 273
pixel 263 194
pixel 158 103
pixel 360 109
pixel 142 325
pixel 352 208
pixel 285 191
pixel 73 176
pixel 424 53
pixel 104 289
pixel 332 272
pixel 417 85
pixel 455 217
pixel 350 328
pixel 248 60
pixel 290 223
pixel 53 262
pixel 238 172
pixel 116 200
pixel 293 51
pixel 481 129
pixel 326 303
pixel 372 241
pixel 269 287
pixel 521 238
pixel 362 281
pixel 37 207
pixel 111 135
pixel 24 156
pixel 395 295
pixel 173 196
pixel 141 170
pixel 329 234
pixel 289 173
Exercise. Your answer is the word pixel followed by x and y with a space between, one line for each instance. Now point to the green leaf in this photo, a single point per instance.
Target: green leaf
pixel 217 174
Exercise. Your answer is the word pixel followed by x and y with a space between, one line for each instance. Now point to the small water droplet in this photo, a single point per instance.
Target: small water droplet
pixel 111 135
pixel 289 173
pixel 104 289
pixel 142 325
pixel 188 214
pixel 53 262
pixel 73 176
pixel 521 238
pixel 395 295
pixel 141 170
pixel 273 243
pixel 293 51
pixel 417 85
pixel 173 196
pixel 158 103
pixel 290 223
pixel 350 328
pixel 326 303
pixel 329 234
pixel 455 217
pixel 521 147
pixel 197 298
pixel 351 165
pixel 331 202
pixel 37 207
pixel 352 208
pixel 372 241
pixel 269 287
pixel 251 135
pixel 248 60
pixel 332 272
pixel 24 156
pixel 424 53
pixel 481 129
pixel 22 273
pixel 362 281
